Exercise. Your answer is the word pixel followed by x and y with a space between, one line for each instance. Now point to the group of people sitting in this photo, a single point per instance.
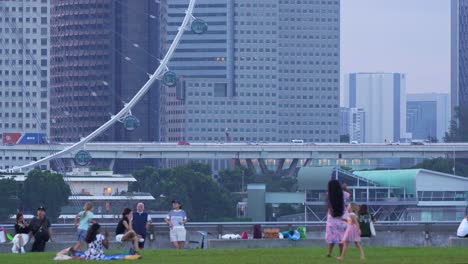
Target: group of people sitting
pixel 132 227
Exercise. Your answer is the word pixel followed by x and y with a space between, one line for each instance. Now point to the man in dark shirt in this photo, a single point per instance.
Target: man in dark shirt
pixel 41 230
pixel 141 223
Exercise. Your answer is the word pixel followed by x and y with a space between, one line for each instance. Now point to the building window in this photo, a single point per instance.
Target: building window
pixel 107 191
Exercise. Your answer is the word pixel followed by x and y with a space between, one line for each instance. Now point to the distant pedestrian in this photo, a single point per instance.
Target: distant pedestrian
pixel 124 230
pixel 336 216
pixel 353 232
pixel 141 223
pixel 22 234
pixel 41 229
pixel 176 219
pixel 463 228
pixel 82 221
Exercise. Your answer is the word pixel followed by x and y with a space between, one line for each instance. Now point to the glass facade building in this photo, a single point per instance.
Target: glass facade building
pixel 264 71
pixel 459 51
pixel 24 68
pixel 101 54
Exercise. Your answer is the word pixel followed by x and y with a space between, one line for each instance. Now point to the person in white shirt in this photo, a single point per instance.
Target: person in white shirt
pixel 176 219
pixel 463 228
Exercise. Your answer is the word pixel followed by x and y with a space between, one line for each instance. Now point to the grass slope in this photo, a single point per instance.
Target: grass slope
pixel 380 255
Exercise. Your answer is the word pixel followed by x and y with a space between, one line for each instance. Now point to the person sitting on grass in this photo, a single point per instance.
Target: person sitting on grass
pixel 22 234
pixel 124 231
pixel 353 232
pixel 463 228
pixel 96 243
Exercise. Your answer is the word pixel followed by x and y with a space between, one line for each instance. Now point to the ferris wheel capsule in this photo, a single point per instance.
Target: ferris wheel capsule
pixel 170 79
pixel 82 158
pixel 131 123
pixel 199 26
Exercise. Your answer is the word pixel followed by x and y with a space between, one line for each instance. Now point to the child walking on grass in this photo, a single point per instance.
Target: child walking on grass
pixel 353 232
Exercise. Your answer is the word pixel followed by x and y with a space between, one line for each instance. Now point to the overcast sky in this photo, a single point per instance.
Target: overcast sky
pixel 409 36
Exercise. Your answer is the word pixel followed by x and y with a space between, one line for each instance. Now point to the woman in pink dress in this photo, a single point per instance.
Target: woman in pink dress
pixel 353 232
pixel 336 216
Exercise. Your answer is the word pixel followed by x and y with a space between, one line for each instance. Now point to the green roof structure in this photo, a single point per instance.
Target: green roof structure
pixel 392 178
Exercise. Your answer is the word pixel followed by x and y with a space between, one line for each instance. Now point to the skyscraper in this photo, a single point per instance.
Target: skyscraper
pixel 265 71
pixel 102 52
pixel 428 115
pixel 383 98
pixel 459 51
pixel 24 69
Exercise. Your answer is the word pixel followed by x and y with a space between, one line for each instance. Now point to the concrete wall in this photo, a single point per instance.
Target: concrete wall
pixel 387 235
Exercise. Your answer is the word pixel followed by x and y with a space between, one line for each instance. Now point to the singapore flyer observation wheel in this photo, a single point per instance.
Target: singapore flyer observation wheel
pixel 162 73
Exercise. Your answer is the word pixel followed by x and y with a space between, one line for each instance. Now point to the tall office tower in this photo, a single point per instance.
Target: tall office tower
pixel 264 71
pixel 427 115
pixel 383 98
pixel 24 71
pixel 459 58
pixel 102 52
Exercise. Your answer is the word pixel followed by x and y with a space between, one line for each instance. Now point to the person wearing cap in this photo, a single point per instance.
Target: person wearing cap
pixel 176 219
pixel 41 229
pixel 141 223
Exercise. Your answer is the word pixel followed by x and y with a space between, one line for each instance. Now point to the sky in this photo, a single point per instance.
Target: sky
pixel 408 36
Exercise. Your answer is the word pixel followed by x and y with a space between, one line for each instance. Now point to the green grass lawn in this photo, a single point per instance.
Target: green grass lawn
pixel 379 255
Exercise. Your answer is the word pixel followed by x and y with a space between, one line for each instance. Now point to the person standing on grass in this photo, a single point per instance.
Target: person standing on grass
pixel 353 232
pixel 336 216
pixel 365 220
pixel 141 223
pixel 82 221
pixel 41 229
pixel 176 219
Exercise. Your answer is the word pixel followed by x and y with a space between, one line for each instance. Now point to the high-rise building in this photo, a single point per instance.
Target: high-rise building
pixel 459 51
pixel 101 54
pixel 427 115
pixel 383 98
pixel 24 71
pixel 353 124
pixel 264 71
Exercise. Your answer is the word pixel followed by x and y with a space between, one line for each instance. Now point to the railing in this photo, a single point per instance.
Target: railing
pixel 267 224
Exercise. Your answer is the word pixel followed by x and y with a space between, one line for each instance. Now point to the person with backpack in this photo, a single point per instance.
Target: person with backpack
pixel 41 229
pixel 365 221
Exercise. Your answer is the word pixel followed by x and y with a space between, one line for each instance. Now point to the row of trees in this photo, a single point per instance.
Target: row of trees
pixel 41 188
pixel 192 184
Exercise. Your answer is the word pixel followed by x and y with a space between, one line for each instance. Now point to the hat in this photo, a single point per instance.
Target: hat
pixel 176 201
pixel 41 208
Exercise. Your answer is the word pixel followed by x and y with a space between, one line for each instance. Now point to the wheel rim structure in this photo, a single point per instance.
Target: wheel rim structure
pixel 157 75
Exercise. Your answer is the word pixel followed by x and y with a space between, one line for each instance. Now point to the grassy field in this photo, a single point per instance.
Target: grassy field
pixel 380 255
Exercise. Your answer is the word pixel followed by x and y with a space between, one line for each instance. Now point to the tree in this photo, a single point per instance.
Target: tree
pixel 444 166
pixel 191 183
pixel 458 131
pixel 236 180
pixel 9 198
pixel 44 188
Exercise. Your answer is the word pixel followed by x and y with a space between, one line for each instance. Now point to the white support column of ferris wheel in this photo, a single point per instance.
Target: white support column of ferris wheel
pixel 157 74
